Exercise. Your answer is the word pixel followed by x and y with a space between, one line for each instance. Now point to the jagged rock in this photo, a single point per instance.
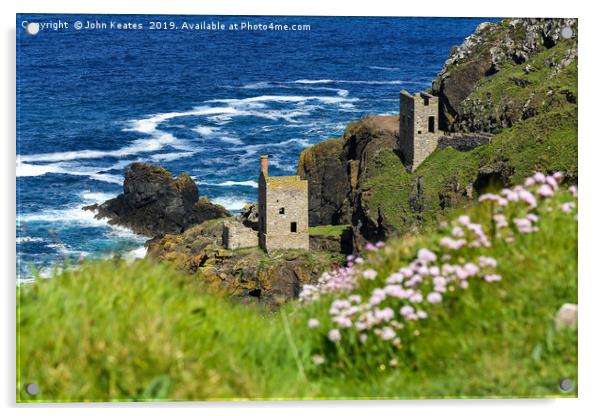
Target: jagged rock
pixel 566 316
pixel 336 167
pixel 249 216
pixel 249 274
pixel 155 203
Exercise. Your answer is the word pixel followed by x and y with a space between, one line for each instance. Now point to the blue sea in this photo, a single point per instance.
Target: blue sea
pixel 206 102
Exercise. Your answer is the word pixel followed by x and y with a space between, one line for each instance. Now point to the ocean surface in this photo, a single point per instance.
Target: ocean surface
pixel 205 102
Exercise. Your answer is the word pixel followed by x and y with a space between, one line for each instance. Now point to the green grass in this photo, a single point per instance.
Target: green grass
pixel 328 230
pixel 144 331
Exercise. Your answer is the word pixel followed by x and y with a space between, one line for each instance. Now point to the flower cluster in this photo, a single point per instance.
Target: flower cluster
pixel 396 302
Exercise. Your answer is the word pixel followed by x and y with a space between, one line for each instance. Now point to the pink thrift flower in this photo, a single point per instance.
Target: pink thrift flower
pixel 545 191
pixel 464 220
pixel 355 298
pixel 426 255
pixel 573 190
pixel 552 182
pixel 452 244
pixel 439 281
pixel 387 333
pixel 493 278
pixel 457 232
pixel 567 207
pixel 527 197
pixel 421 315
pixel 416 297
pixel 317 360
pixel 395 278
pixel 313 323
pixel 434 297
pixel 334 335
pixel 371 247
pixel 370 274
pixel 406 310
pixel 471 269
pixel 385 314
pixel 539 177
pixel 380 244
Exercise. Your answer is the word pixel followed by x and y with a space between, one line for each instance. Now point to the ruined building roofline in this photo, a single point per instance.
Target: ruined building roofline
pixel 420 94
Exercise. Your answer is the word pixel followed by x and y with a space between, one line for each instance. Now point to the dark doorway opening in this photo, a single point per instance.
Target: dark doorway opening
pixel 293 227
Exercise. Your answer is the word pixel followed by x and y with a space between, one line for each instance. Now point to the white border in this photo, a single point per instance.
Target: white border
pixel 590 273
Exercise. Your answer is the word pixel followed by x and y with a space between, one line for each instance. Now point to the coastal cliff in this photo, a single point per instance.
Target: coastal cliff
pixel 516 78
pixel 507 72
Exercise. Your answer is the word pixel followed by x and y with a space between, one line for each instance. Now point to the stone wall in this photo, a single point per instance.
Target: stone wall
pixel 284 220
pixel 464 141
pixel 236 235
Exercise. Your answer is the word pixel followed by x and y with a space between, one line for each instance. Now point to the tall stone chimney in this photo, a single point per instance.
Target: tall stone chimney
pixel 263 165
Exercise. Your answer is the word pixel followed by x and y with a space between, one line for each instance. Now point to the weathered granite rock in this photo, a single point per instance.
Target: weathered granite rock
pixel 248 274
pixel 566 316
pixel 249 216
pixel 155 203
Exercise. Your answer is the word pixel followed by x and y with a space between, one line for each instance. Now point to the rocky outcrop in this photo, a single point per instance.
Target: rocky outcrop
pixel 249 274
pixel 482 55
pixel 154 203
pixel 325 167
pixel 335 168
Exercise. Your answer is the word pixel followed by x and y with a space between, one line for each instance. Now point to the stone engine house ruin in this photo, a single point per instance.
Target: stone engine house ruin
pixel 419 133
pixel 418 127
pixel 283 215
pixel 283 207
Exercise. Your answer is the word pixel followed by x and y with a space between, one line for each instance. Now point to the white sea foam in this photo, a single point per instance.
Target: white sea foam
pixel 24 169
pixel 137 253
pixel 168 157
pixel 285 98
pixel 205 130
pixel 159 139
pixel 95 197
pixel 315 81
pixel 26 239
pixel 231 203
